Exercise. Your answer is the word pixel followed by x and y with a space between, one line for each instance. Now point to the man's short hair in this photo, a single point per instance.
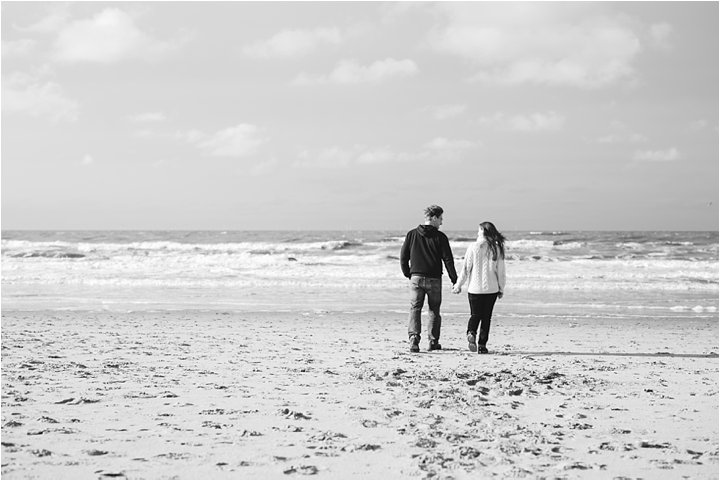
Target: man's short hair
pixel 433 211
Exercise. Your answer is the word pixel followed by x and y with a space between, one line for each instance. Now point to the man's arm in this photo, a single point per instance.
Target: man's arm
pixel 405 257
pixel 448 259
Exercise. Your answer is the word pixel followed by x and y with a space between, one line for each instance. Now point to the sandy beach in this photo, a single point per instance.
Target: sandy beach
pixel 316 394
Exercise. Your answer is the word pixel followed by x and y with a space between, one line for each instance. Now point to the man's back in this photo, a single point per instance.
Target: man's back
pixel 423 252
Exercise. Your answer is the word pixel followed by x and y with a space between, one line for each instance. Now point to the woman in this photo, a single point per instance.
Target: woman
pixel 484 267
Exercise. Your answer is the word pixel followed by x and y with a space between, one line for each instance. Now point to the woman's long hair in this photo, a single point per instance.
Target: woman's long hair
pixel 494 238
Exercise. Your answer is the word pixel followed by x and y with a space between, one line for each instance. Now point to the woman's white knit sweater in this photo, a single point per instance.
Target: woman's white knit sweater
pixel 486 275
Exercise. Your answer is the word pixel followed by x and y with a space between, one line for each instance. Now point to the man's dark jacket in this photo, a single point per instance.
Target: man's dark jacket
pixel 424 251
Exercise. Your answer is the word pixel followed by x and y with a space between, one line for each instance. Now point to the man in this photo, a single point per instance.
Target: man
pixel 421 257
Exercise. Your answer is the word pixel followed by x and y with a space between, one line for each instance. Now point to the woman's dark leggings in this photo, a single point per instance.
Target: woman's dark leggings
pixel 481 307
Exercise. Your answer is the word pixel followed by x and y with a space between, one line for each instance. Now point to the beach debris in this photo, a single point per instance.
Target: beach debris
pixel 289 414
pixel 652 445
pixel 173 455
pixel 307 470
pixel 217 411
pixel 361 447
pixel 327 436
pixel 469 452
pixel 112 475
pixel 41 453
pixel 425 443
pixel 247 433
pixel 550 377
pixel 46 419
pixel 96 452
pixel 393 413
pixel 213 425
pixel 75 401
pixel 369 423
pixel 515 392
pixel 12 424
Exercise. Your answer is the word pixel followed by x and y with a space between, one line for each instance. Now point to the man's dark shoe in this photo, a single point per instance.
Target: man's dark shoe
pixel 434 346
pixel 483 350
pixel 414 344
pixel 471 342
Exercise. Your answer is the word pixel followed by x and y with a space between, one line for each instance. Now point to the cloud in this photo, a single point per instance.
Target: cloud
pixel 290 43
pixel 341 157
pixel 661 34
pixel 700 124
pixel 443 144
pixel 17 48
pixel 262 168
pixel 534 122
pixel 351 72
pixel 621 133
pixel 239 141
pixel 444 112
pixel 24 94
pixel 538 42
pixel 668 155
pixel 51 23
pixel 87 159
pixel 148 117
pixel 384 156
pixel 329 157
pixel 621 138
pixel 108 37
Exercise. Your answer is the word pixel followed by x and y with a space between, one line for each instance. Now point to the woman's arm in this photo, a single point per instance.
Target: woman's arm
pixel 466 269
pixel 501 274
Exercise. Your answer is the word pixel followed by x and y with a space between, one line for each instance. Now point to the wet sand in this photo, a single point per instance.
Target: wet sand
pixel 224 395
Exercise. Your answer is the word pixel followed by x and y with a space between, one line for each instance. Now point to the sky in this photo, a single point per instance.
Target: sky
pixel 358 115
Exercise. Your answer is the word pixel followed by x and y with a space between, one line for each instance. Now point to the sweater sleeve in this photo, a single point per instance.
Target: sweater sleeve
pixel 466 267
pixel 501 273
pixel 405 257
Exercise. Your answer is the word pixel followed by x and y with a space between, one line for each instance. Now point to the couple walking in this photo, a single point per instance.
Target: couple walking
pixel 425 250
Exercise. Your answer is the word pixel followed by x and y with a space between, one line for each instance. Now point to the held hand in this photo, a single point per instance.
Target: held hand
pixel 456 289
pixel 500 295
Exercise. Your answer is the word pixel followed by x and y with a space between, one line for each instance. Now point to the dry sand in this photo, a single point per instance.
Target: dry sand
pixel 215 395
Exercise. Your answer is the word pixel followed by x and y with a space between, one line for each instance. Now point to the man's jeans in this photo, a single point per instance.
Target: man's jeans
pixel 419 287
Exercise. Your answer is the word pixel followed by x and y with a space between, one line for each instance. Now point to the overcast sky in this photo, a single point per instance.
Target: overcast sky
pixel 234 115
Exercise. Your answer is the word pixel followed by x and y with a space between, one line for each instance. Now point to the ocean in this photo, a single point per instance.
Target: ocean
pixel 573 274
